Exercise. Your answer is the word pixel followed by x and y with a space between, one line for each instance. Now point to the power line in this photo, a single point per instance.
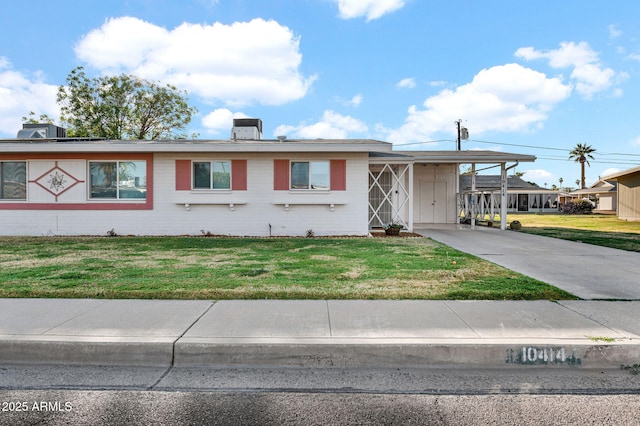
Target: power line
pixel 592 161
pixel 523 146
pixel 618 153
pixel 425 142
pixel 530 146
pixel 553 149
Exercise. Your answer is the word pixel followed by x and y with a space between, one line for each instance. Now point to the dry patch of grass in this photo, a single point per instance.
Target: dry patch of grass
pixel 592 222
pixel 596 229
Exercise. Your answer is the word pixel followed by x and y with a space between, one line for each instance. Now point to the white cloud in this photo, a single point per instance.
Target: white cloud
pixel 221 120
pixel 331 126
pixel 21 94
pixel 502 98
pixel 636 141
pixel 592 78
pixel 406 83
pixel 634 56
pixel 538 175
pixel 609 172
pixel 355 101
pixel 614 32
pixel 589 75
pixel 237 64
pixel 372 9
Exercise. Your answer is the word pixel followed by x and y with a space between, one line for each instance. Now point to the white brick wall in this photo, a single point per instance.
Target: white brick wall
pixel 254 210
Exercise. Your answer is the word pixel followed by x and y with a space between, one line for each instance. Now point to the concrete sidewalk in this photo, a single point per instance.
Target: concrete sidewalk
pixel 319 333
pixel 584 270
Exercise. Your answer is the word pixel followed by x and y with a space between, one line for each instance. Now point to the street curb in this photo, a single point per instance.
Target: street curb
pixel 351 353
pixel 78 352
pixel 551 355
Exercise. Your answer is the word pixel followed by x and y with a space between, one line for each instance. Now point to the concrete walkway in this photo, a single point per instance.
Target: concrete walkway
pixel 319 333
pixel 585 270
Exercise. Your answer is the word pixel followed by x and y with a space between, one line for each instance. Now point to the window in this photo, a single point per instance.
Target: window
pixel 13 180
pixel 212 175
pixel 118 179
pixel 310 175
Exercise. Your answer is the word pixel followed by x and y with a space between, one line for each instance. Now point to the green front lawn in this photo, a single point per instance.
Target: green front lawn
pixel 236 268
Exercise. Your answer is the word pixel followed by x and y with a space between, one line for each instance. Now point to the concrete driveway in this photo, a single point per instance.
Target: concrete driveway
pixel 585 270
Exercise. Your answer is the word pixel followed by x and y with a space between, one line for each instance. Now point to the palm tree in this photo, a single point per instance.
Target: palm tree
pixel 581 154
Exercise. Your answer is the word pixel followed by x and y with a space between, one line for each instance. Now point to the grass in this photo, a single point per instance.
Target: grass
pixel 229 268
pixel 597 229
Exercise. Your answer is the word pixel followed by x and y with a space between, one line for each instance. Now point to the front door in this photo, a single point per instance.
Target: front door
pixel 433 201
pixel 523 202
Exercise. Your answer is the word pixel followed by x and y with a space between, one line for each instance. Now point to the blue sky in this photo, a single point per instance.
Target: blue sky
pixel 525 77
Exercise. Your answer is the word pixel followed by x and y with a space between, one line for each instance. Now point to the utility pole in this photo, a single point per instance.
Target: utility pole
pixel 463 133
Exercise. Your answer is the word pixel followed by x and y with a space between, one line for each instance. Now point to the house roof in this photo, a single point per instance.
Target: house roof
pixel 378 150
pixel 600 187
pixel 615 176
pixel 191 145
pixel 492 182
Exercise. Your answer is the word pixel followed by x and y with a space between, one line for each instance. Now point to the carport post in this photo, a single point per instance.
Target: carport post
pixel 503 197
pixel 474 204
pixel 411 194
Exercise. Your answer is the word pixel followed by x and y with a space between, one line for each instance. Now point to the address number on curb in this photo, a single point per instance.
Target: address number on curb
pixel 531 355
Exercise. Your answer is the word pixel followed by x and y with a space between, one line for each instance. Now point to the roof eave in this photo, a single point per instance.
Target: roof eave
pixel 615 176
pixel 194 146
pixel 465 157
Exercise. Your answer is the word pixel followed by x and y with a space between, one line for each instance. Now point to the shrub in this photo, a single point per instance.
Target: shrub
pixel 576 207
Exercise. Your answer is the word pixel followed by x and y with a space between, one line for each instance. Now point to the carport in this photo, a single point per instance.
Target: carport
pixel 422 187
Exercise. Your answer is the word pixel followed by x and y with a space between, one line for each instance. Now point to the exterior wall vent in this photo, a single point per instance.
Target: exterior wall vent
pixel 246 129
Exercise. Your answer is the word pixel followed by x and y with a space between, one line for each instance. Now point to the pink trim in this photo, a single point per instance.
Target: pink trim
pixel 239 175
pixel 281 175
pixel 183 175
pixel 77 206
pixel 338 175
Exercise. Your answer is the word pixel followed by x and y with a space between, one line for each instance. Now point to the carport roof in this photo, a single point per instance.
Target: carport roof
pixel 457 157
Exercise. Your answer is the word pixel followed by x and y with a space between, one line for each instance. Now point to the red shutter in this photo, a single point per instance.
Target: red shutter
pixel 281 175
pixel 239 175
pixel 338 175
pixel 183 175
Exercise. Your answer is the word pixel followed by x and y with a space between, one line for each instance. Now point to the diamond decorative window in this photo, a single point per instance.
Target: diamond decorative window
pixel 56 181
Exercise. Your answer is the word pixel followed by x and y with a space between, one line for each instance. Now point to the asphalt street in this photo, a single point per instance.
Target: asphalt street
pixel 236 408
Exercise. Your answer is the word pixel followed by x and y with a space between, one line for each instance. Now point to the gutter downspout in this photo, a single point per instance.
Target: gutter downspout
pixel 503 194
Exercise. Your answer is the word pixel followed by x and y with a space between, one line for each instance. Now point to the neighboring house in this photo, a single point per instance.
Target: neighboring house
pixel 628 206
pixel 603 194
pixel 522 196
pixel 245 186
